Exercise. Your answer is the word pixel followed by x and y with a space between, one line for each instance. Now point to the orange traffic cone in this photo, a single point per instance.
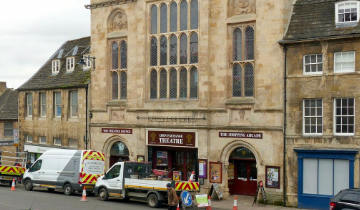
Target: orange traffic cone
pixel 192 177
pixel 209 203
pixel 178 207
pixel 83 197
pixel 235 203
pixel 13 185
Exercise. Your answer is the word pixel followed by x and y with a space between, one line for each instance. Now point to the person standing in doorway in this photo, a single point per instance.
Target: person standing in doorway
pixel 172 197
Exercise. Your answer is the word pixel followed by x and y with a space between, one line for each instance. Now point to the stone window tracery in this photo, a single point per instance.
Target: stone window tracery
pixel 173 61
pixel 119 69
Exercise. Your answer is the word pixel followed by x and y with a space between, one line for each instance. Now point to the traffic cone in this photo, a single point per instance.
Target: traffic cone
pixel 83 197
pixel 235 203
pixel 209 203
pixel 178 207
pixel 13 185
pixel 192 177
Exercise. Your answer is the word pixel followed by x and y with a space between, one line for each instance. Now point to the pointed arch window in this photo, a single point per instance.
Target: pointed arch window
pixel 237 42
pixel 154 19
pixel 173 17
pixel 153 52
pixel 194 83
pixel 123 85
pixel 115 85
pixel 173 49
pixel 194 48
pixel 183 83
pixel 173 83
pixel 123 54
pixel 163 18
pixel 194 12
pixel 249 43
pixel 163 50
pixel 163 83
pixel 153 84
pixel 183 49
pixel 249 80
pixel 115 55
pixel 183 15
pixel 237 80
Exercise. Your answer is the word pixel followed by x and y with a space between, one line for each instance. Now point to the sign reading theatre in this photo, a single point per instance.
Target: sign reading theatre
pixel 240 135
pixel 185 139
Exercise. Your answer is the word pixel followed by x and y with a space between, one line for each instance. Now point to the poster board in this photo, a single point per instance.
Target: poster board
pixel 272 177
pixel 203 168
pixel 215 172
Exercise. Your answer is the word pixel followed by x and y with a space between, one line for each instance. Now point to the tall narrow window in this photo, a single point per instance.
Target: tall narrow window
pixel 194 48
pixel 73 103
pixel 183 15
pixel 193 83
pixel 173 49
pixel 153 51
pixel 173 83
pixel 312 116
pixel 70 64
pixel 237 48
pixel 8 129
pixel 249 80
pixel 115 55
pixel 163 18
pixel 42 104
pixel 123 54
pixel 183 49
pixel 123 85
pixel 163 83
pixel 173 16
pixel 115 85
pixel 153 19
pixel 57 104
pixel 344 116
pixel 249 43
pixel 29 104
pixel 183 83
pixel 163 50
pixel 194 11
pixel 153 84
pixel 237 80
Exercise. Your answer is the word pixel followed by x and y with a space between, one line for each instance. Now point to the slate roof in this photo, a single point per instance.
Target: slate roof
pixel 315 19
pixel 9 105
pixel 44 79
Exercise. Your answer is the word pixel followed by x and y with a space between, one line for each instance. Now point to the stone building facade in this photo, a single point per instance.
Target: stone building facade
pixel 8 124
pixel 184 84
pixel 322 132
pixel 53 102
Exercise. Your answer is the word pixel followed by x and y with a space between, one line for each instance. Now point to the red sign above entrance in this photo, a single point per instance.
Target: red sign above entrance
pixel 116 130
pixel 240 135
pixel 185 139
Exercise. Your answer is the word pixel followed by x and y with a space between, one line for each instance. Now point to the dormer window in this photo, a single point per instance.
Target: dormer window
pixel 70 64
pixel 347 12
pixel 55 66
pixel 87 61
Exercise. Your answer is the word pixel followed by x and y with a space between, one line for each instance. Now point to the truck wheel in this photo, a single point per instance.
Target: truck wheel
pixel 103 194
pixel 28 185
pixel 153 201
pixel 68 190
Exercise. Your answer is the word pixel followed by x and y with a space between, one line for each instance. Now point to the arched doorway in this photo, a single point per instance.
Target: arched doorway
pixel 242 173
pixel 118 152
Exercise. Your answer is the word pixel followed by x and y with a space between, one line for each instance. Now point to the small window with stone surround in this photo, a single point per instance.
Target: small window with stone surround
pixel 313 64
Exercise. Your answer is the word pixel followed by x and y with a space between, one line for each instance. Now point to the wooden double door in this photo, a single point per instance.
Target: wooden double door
pixel 243 180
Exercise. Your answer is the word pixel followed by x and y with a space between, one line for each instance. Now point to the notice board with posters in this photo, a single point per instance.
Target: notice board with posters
pixel 215 172
pixel 272 177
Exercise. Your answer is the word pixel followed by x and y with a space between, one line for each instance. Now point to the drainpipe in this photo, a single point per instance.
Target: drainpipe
pixel 284 129
pixel 87 115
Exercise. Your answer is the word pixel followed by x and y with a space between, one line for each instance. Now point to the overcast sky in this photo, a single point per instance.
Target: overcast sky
pixel 31 31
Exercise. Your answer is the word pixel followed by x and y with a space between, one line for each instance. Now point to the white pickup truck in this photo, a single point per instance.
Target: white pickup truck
pixel 132 180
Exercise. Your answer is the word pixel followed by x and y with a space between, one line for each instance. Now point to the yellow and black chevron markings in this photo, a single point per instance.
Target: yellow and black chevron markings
pixel 12 170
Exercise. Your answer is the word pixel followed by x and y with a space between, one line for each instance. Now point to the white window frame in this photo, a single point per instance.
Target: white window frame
pixel 29 139
pixel 29 106
pixel 55 66
pixel 71 105
pixel 54 141
pixel 340 70
pixel 316 63
pixel 56 105
pixel 340 4
pixel 42 138
pixel 322 117
pixel 334 118
pixel 87 61
pixel 42 104
pixel 70 64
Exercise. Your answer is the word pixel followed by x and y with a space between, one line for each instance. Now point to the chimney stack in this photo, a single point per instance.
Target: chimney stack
pixel 2 87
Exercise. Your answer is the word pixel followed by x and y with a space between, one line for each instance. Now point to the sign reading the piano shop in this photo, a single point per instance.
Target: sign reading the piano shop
pixel 169 138
pixel 245 135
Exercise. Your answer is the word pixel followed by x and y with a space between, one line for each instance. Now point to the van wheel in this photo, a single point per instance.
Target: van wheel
pixel 68 190
pixel 103 194
pixel 153 201
pixel 28 185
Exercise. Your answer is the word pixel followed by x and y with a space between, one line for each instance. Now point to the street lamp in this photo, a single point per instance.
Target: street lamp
pixel 88 58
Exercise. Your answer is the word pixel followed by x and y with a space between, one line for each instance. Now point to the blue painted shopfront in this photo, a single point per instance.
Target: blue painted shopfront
pixel 316 199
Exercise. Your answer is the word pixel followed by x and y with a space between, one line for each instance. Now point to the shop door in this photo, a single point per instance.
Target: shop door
pixel 245 179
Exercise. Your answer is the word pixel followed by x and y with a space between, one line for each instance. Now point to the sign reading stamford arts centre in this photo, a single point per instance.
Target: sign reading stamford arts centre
pixel 240 135
pixel 170 138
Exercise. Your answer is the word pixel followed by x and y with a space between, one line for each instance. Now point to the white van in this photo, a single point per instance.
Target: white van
pixel 70 170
